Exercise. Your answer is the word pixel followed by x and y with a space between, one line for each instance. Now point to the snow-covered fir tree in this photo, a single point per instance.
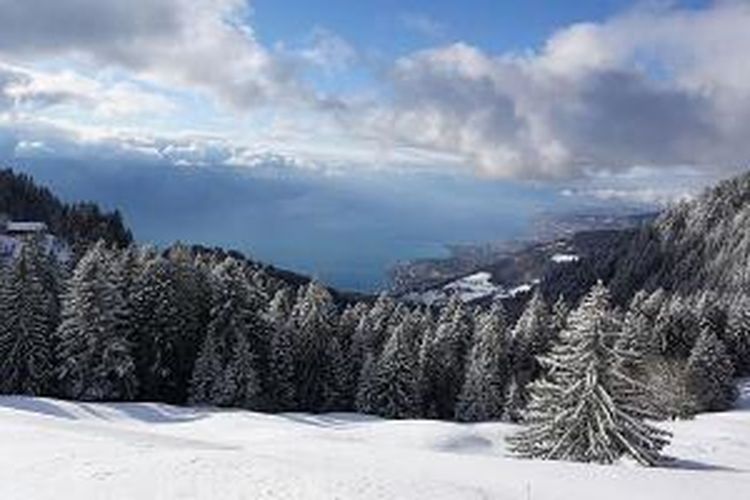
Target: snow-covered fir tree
pixel 559 317
pixel 312 324
pixel 442 373
pixel 282 384
pixel 371 332
pixel 585 408
pixel 346 329
pixel 738 334
pixel 26 320
pixel 395 391
pixel 638 326
pixel 95 356
pixel 530 338
pixel 710 373
pixel 334 396
pixel 226 371
pixel 514 402
pixel 487 370
pixel 158 332
pixel 677 327
pixel 193 301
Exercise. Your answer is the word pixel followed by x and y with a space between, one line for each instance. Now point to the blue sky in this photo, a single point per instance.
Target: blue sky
pixel 576 102
pixel 395 27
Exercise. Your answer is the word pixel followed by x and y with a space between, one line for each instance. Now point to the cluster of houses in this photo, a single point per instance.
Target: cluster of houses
pixel 13 233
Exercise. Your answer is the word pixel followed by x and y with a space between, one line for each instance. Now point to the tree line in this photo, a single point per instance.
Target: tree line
pixel 201 328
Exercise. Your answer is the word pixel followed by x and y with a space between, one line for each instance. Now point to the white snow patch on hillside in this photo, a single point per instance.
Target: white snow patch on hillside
pixel 468 288
pixel 472 287
pixel 60 450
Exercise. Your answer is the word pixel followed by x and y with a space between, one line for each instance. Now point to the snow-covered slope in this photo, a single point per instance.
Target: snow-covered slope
pixel 468 288
pixel 52 449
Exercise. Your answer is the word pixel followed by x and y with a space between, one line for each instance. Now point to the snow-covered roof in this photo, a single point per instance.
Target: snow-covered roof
pixel 26 227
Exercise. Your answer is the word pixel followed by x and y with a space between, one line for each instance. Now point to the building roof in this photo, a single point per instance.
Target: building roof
pixel 26 227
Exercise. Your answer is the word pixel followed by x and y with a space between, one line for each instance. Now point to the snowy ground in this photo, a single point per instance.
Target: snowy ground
pixel 53 449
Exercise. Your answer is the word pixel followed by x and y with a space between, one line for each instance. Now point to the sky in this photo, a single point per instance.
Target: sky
pixel 634 102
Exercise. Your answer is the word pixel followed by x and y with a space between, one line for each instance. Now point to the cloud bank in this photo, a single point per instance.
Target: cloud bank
pixel 655 87
pixel 658 88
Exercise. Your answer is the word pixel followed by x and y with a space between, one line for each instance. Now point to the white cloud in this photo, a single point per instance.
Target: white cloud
pixel 652 87
pixel 28 90
pixel 328 51
pixel 203 44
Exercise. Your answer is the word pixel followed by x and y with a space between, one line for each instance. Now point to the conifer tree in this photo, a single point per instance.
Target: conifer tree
pixel 346 329
pixel 677 327
pixel 487 370
pixel 193 301
pixel 710 373
pixel 371 333
pixel 282 384
pixel 26 319
pixel 585 408
pixel 225 371
pixel 559 317
pixel 395 388
pixel 158 332
pixel 530 338
pixel 312 323
pixel 334 388
pixel 514 402
pixel 444 358
pixel 738 334
pixel 96 361
pixel 365 398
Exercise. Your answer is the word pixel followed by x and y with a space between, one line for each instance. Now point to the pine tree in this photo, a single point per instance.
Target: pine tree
pixel 444 358
pixel 395 385
pixel 710 373
pixel 312 322
pixel 371 333
pixel 487 370
pixel 738 334
pixel 515 400
pixel 225 371
pixel 96 361
pixel 26 321
pixel 334 379
pixel 158 330
pixel 530 338
pixel 282 385
pixel 559 317
pixel 346 329
pixel 677 327
pixel 585 408
pixel 638 326
pixel 193 301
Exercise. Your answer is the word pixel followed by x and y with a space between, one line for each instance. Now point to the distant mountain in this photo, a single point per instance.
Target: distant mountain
pixel 702 244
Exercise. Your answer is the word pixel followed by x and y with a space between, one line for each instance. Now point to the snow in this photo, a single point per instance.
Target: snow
pixel 472 287
pixel 564 258
pixel 469 288
pixel 62 450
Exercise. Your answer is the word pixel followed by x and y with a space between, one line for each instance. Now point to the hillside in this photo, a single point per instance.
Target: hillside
pixel 79 224
pixel 697 245
pixel 145 450
pixel 702 244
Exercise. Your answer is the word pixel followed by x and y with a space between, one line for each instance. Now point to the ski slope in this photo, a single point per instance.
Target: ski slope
pixel 60 450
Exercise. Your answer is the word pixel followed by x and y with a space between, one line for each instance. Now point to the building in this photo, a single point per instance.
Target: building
pixel 12 234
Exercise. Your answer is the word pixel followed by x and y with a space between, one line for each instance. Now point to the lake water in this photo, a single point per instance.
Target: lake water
pixel 345 229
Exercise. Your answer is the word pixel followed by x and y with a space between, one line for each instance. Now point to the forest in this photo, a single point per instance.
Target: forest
pixel 661 331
